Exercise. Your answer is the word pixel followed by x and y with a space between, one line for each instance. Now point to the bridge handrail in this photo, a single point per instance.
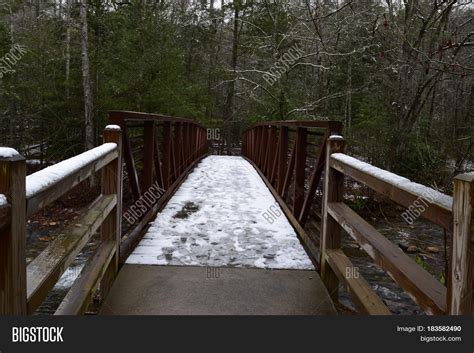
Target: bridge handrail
pixel 170 147
pixel 335 125
pixel 399 189
pixel 267 145
pixel 430 294
pixel 25 287
pixel 119 115
pixel 283 165
pixel 48 184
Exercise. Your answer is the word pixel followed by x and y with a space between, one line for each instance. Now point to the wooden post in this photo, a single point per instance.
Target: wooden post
pixel 330 229
pixel 272 148
pixel 118 118
pixel 174 154
pixel 13 234
pixel 253 136
pixel 282 157
pixel 192 147
pixel 461 276
pixel 300 168
pixel 289 171
pixel 178 148
pixel 258 145
pixel 314 180
pixel 166 154
pixel 158 167
pixel 148 154
pixel 254 144
pixel 112 180
pixel 185 142
pixel 265 138
pixel 198 142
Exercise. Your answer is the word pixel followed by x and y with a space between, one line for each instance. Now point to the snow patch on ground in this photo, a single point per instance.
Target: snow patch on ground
pixel 46 177
pixel 216 219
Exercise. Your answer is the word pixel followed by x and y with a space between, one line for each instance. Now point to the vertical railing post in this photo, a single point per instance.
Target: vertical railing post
pixel 186 140
pixel 259 145
pixel 118 118
pixel 148 154
pixel 271 151
pixel 253 134
pixel 252 145
pixel 330 229
pixel 300 169
pixel 158 166
pixel 166 154
pixel 178 148
pixel 461 277
pixel 111 229
pixel 13 233
pixel 196 133
pixel 282 157
pixel 264 140
pixel 198 142
pixel 194 155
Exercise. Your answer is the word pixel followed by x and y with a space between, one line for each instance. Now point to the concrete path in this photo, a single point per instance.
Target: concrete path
pixel 179 290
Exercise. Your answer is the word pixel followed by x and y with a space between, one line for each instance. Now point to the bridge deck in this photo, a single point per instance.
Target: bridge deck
pixel 198 290
pixel 216 219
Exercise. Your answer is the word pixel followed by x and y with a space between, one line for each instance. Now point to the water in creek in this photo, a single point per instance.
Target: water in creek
pixel 425 241
pixel 37 241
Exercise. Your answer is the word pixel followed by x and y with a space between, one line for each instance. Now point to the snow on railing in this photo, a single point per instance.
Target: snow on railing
pixel 3 201
pixel 112 127
pixel 45 178
pixel 7 152
pixel 400 182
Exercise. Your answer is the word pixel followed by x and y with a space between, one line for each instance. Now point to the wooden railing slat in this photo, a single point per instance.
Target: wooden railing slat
pixel 289 172
pixel 362 294
pixel 426 290
pixel 80 295
pixel 282 157
pixel 314 181
pixel 44 271
pixel 148 155
pixel 300 171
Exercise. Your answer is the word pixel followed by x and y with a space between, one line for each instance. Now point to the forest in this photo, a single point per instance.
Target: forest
pixel 398 74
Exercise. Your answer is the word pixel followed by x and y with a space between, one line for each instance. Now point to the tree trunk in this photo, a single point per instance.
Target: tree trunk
pixel 86 81
pixel 68 45
pixel 229 102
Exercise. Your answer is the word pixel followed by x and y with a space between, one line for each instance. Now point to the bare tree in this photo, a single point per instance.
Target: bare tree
pixel 86 81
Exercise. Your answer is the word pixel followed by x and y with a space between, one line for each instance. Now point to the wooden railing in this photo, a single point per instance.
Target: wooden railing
pixel 293 174
pixel 429 293
pixel 159 151
pixel 23 288
pixel 290 157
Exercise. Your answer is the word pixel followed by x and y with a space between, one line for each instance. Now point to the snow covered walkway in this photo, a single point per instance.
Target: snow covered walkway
pixel 216 218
